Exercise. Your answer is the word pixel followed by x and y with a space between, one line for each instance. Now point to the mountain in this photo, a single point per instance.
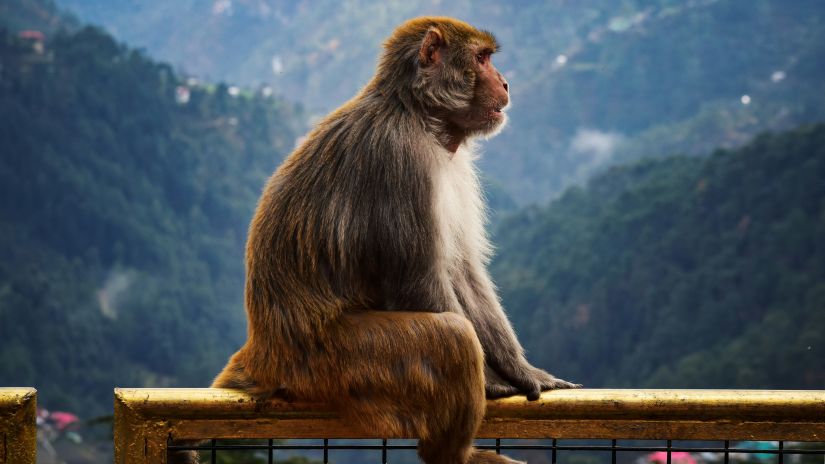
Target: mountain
pixel 125 195
pixel 679 272
pixel 303 47
pixel 40 15
pixel 594 83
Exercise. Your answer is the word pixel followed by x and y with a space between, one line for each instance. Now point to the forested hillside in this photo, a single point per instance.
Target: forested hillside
pixel 125 195
pixel 594 82
pixel 40 15
pixel 680 272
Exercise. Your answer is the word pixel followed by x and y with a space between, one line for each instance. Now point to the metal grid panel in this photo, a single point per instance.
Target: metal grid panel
pixel 554 448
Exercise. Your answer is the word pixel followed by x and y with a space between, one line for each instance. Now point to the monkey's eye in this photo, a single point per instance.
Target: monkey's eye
pixel 482 57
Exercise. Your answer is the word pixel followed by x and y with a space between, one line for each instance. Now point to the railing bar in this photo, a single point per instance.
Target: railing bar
pixel 498 445
pixel 271 452
pixel 503 447
pixel 326 450
pixel 555 446
pixel 296 447
pixel 613 452
pixel 727 453
pixel 781 455
pixel 669 450
pixel 653 448
pixel 384 451
pixel 214 454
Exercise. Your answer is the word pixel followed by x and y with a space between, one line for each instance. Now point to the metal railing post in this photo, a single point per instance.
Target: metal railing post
pixel 18 426
pixel 136 438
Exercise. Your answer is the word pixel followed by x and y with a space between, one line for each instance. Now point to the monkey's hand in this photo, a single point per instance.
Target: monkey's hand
pixel 495 386
pixel 531 381
pixel 549 382
pixel 546 381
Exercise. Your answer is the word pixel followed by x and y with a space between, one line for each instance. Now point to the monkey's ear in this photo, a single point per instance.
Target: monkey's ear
pixel 431 46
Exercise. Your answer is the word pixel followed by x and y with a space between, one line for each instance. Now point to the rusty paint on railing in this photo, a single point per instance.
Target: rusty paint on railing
pixel 146 418
pixel 18 429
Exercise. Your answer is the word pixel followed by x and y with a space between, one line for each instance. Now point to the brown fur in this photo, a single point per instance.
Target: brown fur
pixel 359 292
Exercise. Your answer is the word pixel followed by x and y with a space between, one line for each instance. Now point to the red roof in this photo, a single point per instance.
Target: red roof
pixel 63 419
pixel 32 35
pixel 676 457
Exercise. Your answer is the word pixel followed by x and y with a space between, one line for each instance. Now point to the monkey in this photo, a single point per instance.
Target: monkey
pixel 366 280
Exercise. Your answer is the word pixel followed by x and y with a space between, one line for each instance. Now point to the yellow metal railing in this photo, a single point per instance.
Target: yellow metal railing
pixel 146 419
pixel 18 429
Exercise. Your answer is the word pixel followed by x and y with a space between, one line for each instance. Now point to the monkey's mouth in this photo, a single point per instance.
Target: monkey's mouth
pixel 496 112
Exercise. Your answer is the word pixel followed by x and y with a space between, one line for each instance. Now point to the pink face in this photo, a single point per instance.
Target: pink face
pixel 491 96
pixel 484 114
pixel 491 84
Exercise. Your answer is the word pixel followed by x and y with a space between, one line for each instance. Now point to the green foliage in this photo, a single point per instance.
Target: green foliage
pixel 123 217
pixel 682 272
pixel 669 80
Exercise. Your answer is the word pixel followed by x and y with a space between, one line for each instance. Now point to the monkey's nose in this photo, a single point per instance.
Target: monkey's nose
pixel 506 87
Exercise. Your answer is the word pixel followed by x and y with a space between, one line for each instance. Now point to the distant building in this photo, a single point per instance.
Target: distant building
pixel 182 94
pixel 36 38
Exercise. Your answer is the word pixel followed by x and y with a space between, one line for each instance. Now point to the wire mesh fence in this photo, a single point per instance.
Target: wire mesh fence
pixel 547 451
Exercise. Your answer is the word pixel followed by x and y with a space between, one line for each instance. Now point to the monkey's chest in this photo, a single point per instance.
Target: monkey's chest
pixel 459 210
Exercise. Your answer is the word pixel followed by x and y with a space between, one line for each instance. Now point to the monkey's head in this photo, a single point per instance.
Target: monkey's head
pixel 444 66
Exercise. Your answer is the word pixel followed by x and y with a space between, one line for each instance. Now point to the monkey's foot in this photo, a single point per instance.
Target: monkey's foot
pixel 486 457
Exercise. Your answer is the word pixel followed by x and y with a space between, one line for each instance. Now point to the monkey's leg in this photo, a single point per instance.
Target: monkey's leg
pixel 417 374
pixel 183 457
pixel 488 457
pixel 410 374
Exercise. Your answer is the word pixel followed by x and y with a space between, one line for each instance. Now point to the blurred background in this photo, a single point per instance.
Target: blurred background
pixel 657 200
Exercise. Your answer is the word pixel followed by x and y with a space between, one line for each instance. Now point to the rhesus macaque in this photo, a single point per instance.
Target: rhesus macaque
pixel 366 282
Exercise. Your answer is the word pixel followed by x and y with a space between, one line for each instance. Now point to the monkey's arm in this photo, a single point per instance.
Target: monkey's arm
pixel 508 371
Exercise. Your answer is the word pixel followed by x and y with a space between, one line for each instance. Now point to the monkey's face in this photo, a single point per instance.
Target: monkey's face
pixel 456 77
pixel 484 114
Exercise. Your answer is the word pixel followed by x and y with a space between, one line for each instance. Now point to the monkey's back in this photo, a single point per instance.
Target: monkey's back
pixel 344 223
